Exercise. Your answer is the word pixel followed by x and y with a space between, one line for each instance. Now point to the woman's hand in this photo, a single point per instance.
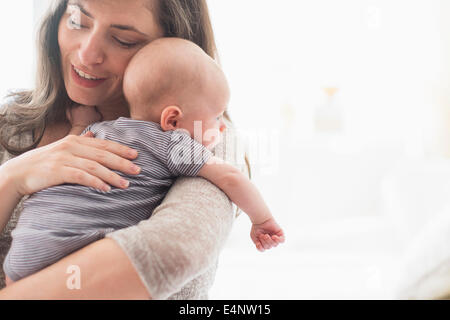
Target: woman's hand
pixel 74 159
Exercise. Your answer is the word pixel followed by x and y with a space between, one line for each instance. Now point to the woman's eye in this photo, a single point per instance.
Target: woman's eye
pixel 74 20
pixel 73 24
pixel 125 44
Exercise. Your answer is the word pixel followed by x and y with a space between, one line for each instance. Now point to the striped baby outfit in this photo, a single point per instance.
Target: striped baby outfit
pixel 62 219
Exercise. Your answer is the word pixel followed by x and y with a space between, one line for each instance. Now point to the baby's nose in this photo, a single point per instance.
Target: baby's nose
pixel 223 127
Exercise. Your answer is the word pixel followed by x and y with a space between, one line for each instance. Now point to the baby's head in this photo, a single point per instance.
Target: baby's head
pixel 174 82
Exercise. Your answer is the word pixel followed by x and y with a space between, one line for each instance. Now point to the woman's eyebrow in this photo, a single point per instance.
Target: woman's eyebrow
pixel 128 28
pixel 80 7
pixel 116 26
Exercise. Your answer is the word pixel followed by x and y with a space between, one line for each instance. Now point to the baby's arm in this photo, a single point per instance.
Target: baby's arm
pixel 266 233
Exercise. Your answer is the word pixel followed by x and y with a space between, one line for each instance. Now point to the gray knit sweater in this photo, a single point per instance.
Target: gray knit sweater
pixel 176 251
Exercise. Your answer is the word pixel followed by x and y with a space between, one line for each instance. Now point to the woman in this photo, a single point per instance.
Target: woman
pixel 85 46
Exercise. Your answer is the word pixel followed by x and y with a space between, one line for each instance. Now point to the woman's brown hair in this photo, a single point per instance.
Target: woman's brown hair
pixel 36 109
pixel 33 110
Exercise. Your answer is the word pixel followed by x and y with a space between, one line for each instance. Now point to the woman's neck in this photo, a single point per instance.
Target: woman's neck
pixel 59 130
pixel 54 132
pixel 114 111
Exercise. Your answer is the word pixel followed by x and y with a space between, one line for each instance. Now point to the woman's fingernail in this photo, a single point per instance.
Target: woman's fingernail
pixel 132 153
pixel 124 183
pixel 135 168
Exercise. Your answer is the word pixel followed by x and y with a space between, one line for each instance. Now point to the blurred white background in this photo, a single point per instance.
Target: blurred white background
pixel 349 99
pixel 357 93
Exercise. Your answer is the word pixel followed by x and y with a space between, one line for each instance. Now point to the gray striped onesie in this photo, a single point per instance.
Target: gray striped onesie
pixel 62 219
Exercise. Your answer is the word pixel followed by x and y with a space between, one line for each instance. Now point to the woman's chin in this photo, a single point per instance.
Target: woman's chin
pixel 85 100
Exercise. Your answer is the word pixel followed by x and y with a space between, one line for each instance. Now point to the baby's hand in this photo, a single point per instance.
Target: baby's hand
pixel 267 235
pixel 82 116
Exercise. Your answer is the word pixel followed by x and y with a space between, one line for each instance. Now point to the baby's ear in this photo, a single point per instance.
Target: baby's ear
pixel 170 118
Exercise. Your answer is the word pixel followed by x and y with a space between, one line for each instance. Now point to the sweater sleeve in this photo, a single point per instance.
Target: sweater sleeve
pixel 182 239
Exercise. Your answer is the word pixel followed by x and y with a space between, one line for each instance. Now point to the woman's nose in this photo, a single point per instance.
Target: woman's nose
pixel 91 51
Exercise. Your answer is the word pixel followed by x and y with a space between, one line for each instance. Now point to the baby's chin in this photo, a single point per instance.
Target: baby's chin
pixel 210 146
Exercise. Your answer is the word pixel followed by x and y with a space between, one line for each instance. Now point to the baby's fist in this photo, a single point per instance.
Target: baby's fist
pixel 82 116
pixel 267 235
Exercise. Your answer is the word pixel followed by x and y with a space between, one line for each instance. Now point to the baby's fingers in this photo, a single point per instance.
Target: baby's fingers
pixel 267 241
pixel 278 239
pixel 258 245
pixel 88 134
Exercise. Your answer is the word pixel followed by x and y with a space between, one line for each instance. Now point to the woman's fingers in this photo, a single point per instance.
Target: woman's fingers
pixel 74 159
pixel 95 169
pixel 77 176
pixel 107 145
pixel 106 158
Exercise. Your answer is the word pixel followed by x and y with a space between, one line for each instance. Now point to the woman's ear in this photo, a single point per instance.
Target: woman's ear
pixel 170 118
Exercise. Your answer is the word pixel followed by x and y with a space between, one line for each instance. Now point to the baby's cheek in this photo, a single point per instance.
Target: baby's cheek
pixel 211 135
pixel 214 140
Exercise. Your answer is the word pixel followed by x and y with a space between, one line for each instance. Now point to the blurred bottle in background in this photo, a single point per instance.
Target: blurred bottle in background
pixel 328 116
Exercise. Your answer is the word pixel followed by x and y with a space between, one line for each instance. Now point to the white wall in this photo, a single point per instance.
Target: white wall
pixel 390 60
pixel 16 55
pixel 383 55
pixel 386 59
pixel 40 6
pixel 442 93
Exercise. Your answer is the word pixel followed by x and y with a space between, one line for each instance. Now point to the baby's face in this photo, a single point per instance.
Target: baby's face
pixel 206 125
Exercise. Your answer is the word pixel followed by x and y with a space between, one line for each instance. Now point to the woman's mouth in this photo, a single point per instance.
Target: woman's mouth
pixel 84 79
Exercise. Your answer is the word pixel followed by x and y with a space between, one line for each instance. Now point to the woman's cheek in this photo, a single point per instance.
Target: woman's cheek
pixel 124 61
pixel 66 39
pixel 122 56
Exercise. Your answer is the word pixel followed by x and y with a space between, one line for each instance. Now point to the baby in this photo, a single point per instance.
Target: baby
pixel 169 85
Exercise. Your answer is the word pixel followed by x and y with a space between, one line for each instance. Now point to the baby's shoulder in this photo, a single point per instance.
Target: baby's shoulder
pixel 142 135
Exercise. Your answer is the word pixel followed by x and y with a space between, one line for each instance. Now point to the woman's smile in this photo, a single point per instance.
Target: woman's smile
pixel 86 75
pixel 86 80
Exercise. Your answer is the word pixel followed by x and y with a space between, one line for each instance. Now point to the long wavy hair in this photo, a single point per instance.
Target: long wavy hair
pixel 46 104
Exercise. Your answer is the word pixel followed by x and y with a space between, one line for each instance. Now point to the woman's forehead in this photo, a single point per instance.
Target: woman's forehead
pixel 139 14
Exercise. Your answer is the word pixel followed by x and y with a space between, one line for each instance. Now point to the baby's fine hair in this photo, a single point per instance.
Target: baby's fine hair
pixel 170 71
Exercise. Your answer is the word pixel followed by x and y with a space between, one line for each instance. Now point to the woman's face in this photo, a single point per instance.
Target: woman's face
pixel 97 39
